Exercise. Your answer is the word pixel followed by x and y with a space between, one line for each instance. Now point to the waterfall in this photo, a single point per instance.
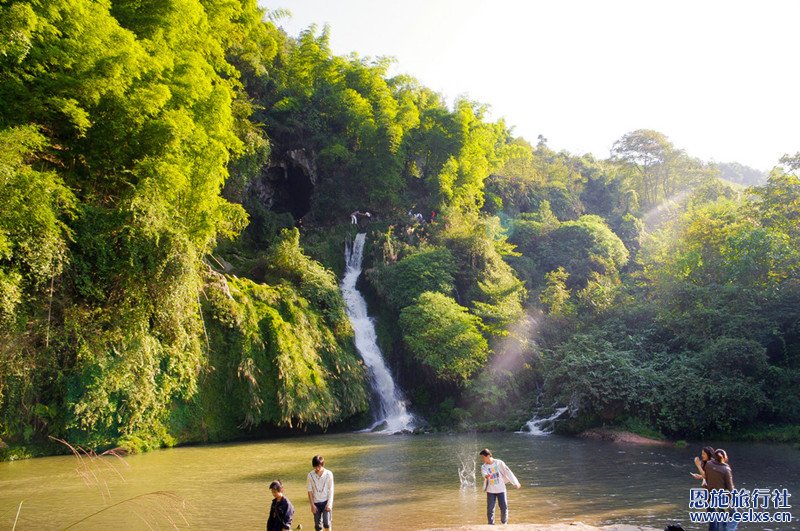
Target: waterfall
pixel 391 408
pixel 543 426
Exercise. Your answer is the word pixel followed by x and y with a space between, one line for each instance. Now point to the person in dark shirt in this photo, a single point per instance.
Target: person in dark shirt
pixel 282 511
pixel 718 473
pixel 720 477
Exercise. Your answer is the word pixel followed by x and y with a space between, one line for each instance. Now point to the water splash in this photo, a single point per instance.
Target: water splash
pixel 466 471
pixel 391 409
pixel 543 426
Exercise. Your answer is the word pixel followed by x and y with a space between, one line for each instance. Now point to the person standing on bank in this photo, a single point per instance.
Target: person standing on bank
pixel 320 493
pixel 495 476
pixel 281 512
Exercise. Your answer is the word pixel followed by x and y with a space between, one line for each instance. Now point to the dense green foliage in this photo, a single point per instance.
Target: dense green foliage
pixel 156 157
pixel 709 325
pixel 119 122
pixel 136 121
pixel 584 247
pixel 443 336
pixel 400 284
pixel 282 351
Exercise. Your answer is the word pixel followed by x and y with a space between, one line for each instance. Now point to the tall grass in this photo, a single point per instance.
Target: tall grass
pixel 154 509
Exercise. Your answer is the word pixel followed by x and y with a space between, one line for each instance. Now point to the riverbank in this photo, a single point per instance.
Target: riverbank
pixel 574 526
pixel 782 434
pixel 622 437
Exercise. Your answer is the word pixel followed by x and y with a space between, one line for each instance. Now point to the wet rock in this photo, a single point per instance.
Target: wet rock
pixel 380 427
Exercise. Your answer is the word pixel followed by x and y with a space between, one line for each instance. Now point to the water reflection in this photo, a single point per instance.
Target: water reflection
pixel 397 482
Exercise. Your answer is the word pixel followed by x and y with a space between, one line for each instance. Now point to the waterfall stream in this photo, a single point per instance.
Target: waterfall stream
pixel 543 426
pixel 391 408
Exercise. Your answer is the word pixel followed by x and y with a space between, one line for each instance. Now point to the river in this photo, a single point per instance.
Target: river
pixel 382 482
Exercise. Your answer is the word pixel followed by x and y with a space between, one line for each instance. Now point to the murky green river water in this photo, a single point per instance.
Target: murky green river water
pixel 382 482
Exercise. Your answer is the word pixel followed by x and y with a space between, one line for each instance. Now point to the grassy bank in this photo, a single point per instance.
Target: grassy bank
pixel 770 433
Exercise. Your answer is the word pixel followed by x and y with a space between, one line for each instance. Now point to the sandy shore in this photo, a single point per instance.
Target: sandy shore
pixel 575 526
pixel 621 437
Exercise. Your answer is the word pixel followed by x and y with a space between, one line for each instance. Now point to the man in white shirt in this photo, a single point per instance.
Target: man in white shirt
pixel 320 493
pixel 495 476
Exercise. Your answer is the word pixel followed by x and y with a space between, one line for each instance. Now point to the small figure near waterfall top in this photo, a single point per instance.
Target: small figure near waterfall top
pixel 495 476
pixel 417 217
pixel 354 216
pixel 320 493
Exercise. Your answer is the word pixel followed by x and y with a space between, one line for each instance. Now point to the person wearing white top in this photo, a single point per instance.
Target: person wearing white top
pixel 495 476
pixel 320 493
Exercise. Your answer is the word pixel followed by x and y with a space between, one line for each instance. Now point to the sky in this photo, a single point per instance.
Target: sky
pixel 720 79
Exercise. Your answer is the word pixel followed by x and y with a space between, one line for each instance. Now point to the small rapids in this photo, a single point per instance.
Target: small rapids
pixel 543 426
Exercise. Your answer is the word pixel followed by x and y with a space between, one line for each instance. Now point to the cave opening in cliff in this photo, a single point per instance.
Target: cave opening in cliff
pixel 299 188
pixel 293 188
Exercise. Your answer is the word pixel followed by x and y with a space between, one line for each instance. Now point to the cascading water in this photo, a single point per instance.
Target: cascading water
pixel 543 426
pixel 391 408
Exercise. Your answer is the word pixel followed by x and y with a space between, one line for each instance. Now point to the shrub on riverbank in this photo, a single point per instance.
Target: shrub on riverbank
pixel 769 433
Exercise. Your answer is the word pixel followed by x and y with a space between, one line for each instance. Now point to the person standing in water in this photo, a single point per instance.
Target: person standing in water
pixel 281 512
pixel 495 476
pixel 320 493
pixel 700 462
pixel 720 477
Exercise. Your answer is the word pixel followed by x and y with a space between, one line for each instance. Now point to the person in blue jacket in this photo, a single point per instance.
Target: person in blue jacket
pixel 282 511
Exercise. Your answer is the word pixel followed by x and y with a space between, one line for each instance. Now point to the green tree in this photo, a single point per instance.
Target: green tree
pixel 35 208
pixel 658 169
pixel 33 230
pixel 555 296
pixel 778 201
pixel 648 153
pixel 589 373
pixel 402 283
pixel 485 282
pixel 581 247
pixel 134 102
pixel 444 337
